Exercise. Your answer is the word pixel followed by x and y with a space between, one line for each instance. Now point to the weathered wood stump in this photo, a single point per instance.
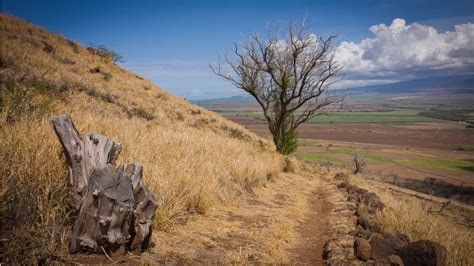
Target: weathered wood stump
pixel 115 209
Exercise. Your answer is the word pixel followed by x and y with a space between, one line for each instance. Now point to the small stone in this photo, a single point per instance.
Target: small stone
pixel 362 249
pixel 382 262
pixel 341 176
pixel 384 245
pixel 370 262
pixel 423 252
pixel 343 185
pixel 395 260
pixel 369 223
pixel 361 232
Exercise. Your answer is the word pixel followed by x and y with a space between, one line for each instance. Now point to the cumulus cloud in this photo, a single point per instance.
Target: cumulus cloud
pixel 401 48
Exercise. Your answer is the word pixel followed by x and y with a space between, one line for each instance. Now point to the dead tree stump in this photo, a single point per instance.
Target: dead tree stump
pixel 115 208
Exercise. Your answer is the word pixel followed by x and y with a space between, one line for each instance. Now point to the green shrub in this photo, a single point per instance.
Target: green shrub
pixel 17 101
pixel 106 53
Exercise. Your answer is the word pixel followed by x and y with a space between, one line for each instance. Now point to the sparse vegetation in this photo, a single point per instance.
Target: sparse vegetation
pixel 318 157
pixel 465 147
pixel 359 162
pixel 18 100
pixel 108 54
pixel 449 114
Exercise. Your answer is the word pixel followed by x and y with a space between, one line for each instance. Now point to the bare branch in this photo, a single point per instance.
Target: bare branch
pixel 288 76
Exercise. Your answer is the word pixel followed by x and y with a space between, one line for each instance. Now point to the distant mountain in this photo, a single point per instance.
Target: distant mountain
pixel 239 99
pixel 447 84
pixel 453 84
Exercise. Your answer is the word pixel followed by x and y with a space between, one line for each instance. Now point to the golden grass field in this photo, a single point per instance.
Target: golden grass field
pixel 193 158
pixel 224 194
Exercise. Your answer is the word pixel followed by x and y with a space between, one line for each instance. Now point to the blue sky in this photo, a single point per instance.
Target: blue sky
pixel 172 42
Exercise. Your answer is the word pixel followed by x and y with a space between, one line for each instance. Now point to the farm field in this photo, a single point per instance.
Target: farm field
pixel 406 146
pixel 396 116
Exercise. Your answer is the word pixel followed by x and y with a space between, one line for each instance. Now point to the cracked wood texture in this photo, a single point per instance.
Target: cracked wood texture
pixel 115 208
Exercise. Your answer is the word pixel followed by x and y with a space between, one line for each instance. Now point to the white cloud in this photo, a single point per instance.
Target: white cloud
pixel 401 48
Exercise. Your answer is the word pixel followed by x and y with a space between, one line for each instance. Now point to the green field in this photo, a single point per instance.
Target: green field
pixel 318 157
pixel 465 147
pixel 398 116
pixel 325 156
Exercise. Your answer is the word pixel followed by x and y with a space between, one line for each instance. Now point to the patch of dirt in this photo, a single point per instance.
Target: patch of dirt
pixel 325 233
pixel 314 230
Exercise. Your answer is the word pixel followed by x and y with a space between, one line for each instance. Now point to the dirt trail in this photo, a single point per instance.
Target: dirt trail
pixel 314 230
pixel 325 231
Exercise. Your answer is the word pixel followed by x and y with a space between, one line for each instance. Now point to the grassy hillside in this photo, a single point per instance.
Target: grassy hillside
pixel 225 196
pixel 193 159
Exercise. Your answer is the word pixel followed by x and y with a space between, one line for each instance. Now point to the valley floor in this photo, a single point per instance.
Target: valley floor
pixel 441 150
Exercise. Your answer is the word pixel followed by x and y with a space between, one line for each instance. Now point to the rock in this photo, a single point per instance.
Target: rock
pixel 359 195
pixel 403 238
pixel 362 210
pixel 362 249
pixel 353 198
pixel 382 262
pixel 48 48
pixel 342 185
pixel 369 223
pixel 373 202
pixel 395 260
pixel 95 70
pixel 361 232
pixel 73 45
pixel 351 189
pixel 341 176
pixel 385 244
pixel 370 262
pixel 423 252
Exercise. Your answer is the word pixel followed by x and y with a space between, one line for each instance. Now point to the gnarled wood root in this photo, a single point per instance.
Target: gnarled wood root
pixel 115 208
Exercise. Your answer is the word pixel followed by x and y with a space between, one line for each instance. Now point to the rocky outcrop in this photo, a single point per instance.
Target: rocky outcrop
pixel 374 246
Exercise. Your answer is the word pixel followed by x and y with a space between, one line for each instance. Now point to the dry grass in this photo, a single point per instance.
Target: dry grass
pixel 194 160
pixel 408 215
pixel 260 229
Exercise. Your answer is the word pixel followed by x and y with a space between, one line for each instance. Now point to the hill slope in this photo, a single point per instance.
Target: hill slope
pixel 193 159
pixel 225 196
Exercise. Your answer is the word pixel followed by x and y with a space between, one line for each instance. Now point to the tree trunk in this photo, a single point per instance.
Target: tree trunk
pixel 115 208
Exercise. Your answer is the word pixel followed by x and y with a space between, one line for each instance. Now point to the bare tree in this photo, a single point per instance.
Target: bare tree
pixel 359 162
pixel 288 76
